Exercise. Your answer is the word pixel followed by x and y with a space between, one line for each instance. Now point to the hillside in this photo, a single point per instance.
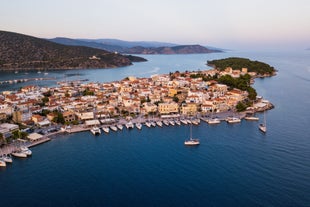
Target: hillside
pixel 18 51
pixel 86 43
pixel 181 49
pixel 238 63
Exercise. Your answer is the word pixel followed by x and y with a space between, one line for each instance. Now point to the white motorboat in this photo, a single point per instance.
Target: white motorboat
pixel 263 126
pixel 129 125
pixel 139 126
pixel 166 122
pixel 2 163
pixel 159 123
pixel 106 129
pixel 196 121
pixel 26 150
pixel 148 124
pixel 171 122
pixel 120 127
pixel 178 122
pixel 251 118
pixel 188 121
pixel 153 124
pixel 232 120
pixel 95 130
pixel 113 128
pixel 213 121
pixel 6 158
pixel 19 154
pixel 183 121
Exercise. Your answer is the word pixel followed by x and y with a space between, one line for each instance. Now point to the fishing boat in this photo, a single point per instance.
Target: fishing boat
pixel 191 141
pixel 95 130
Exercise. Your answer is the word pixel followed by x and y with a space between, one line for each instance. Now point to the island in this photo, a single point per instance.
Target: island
pixel 174 98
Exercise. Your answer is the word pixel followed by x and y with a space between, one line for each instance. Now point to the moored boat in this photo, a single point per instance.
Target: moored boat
pixel 213 121
pixel 106 129
pixel 19 154
pixel 232 120
pixel 120 127
pixel 2 163
pixel 178 122
pixel 166 122
pixel 6 158
pixel 159 123
pixel 139 126
pixel 251 118
pixel 148 124
pixel 26 150
pixel 129 125
pixel 95 130
pixel 183 121
pixel 114 128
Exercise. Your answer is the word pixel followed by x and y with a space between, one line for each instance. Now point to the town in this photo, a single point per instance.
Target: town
pixel 177 95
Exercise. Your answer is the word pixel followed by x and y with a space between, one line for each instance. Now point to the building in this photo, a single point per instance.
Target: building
pixel 189 109
pixel 168 108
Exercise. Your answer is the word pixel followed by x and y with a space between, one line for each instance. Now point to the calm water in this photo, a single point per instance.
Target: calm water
pixel 235 165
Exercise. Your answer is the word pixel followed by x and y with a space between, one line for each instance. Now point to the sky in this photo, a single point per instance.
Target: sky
pixel 231 24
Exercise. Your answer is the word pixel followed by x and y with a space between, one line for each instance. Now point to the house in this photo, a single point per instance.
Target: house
pixel 36 118
pixel 69 116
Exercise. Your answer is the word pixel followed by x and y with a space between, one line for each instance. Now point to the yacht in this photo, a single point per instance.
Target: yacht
pixel 251 118
pixel 2 163
pixel 114 128
pixel 263 126
pixel 191 141
pixel 232 120
pixel 19 154
pixel 129 125
pixel 183 121
pixel 26 150
pixel 148 124
pixel 6 158
pixel 139 126
pixel 153 124
pixel 95 130
pixel 213 121
pixel 106 129
pixel 166 122
pixel 120 127
pixel 159 123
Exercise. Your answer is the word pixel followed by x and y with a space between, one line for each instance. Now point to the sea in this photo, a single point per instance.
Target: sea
pixel 234 165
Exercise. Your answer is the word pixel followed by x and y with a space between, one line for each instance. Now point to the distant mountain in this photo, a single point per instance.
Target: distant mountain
pixel 18 51
pixel 93 44
pixel 129 44
pixel 181 49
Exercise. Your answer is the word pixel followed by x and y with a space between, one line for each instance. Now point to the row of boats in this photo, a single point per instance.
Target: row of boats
pixel 22 152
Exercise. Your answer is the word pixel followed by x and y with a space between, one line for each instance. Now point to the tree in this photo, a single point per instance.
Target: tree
pixel 252 93
pixel 240 106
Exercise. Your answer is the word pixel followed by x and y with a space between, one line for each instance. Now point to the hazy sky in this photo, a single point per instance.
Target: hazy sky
pixel 221 23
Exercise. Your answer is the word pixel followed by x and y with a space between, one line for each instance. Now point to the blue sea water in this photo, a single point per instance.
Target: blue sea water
pixel 235 165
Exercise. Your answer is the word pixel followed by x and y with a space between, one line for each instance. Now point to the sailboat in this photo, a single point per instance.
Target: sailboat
pixel 262 126
pixel 191 141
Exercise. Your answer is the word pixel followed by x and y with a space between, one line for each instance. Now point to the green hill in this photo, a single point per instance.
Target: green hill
pixel 18 51
pixel 238 63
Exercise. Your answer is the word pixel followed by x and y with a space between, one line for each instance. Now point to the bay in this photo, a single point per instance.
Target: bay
pixel 235 165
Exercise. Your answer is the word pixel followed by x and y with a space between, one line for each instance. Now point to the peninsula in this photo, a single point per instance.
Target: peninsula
pixel 175 95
